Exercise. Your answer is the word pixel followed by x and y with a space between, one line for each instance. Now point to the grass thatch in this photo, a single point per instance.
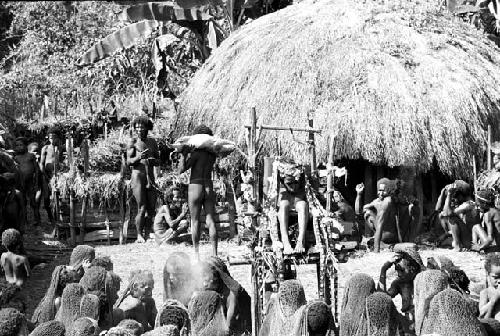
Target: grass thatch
pixel 396 82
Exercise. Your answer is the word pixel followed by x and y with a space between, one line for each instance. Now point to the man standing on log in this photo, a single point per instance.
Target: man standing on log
pixel 201 190
pixel 142 156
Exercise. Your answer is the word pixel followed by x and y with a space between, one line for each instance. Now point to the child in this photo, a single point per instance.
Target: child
pixel 28 167
pixel 408 264
pixel 137 302
pixel 15 266
pixel 489 297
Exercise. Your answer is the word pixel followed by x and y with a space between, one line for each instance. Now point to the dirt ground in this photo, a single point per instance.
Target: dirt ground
pixel 150 256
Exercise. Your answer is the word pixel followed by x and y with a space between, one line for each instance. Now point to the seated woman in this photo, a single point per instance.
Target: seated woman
pixel 314 319
pixel 172 312
pixel 49 305
pixel 292 193
pixel 352 314
pixel 281 309
pixel 178 279
pixel 381 315
pixel 238 311
pixel 206 312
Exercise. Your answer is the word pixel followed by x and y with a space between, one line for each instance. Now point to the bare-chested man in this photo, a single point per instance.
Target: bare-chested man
pixel 383 209
pixel 143 157
pixel 49 162
pixel 28 167
pixel 201 190
pixel 486 235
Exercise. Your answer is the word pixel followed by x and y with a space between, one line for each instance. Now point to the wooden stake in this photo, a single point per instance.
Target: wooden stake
pixel 284 128
pixel 329 180
pixel 489 164
pixel 312 148
pixel 474 170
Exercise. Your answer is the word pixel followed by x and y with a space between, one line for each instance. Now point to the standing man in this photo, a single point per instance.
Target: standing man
pixel 201 190
pixel 49 164
pixel 143 157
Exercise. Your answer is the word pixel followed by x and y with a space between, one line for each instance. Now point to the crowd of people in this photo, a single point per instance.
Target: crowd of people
pixel 82 298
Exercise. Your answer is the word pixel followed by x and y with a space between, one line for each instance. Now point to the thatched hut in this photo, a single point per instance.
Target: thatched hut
pixel 397 83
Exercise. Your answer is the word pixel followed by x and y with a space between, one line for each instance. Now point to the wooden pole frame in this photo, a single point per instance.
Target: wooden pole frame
pixel 253 151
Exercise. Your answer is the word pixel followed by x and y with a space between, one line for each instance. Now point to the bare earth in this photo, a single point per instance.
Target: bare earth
pixel 149 256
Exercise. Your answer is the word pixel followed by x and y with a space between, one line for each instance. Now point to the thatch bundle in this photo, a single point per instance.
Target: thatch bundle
pixel 395 82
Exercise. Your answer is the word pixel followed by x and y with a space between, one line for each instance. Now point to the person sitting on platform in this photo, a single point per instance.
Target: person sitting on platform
pixel 380 214
pixel 171 219
pixel 137 301
pixel 216 277
pixel 486 236
pixel 458 214
pixel 292 192
pixel 15 266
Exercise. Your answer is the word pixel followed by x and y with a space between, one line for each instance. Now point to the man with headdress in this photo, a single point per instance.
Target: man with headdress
pixel 380 214
pixel 487 233
pixel 142 156
pixel 201 192
pixel 238 314
pixel 458 214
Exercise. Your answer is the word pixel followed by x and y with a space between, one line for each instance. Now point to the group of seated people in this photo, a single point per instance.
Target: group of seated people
pixel 435 299
pixel 82 298
pixel 394 215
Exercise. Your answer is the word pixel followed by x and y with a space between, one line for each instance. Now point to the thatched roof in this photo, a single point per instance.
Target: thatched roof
pixel 396 82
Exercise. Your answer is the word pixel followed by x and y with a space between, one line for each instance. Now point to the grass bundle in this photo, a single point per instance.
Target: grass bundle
pixel 396 83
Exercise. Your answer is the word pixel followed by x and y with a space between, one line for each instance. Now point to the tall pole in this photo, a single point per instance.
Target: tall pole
pixel 312 147
pixel 489 165
pixel 329 179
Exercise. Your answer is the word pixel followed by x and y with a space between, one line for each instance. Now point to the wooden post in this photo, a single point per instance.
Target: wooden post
pixel 312 148
pixel 474 170
pixel 369 194
pixel 268 172
pixel 69 152
pixel 329 180
pixel 420 196
pixel 85 154
pixel 489 164
pixel 230 197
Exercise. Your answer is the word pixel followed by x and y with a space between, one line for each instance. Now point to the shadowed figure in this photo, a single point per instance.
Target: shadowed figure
pixel 178 279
